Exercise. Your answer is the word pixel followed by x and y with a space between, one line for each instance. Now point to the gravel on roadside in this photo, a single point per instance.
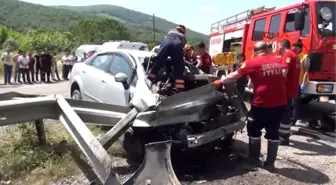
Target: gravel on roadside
pixel 306 161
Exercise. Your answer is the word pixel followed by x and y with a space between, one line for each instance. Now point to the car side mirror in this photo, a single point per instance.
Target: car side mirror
pixel 299 20
pixel 122 78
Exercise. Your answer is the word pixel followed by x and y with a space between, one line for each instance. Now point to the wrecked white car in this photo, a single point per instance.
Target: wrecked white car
pixel 203 115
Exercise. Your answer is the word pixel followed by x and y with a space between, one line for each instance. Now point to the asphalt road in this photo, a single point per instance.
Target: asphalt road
pixel 61 88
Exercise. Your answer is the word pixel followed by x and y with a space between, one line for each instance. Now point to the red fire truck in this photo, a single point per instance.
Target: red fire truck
pixel 312 21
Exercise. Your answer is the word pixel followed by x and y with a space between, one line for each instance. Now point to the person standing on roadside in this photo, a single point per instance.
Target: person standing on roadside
pixel 291 71
pixel 66 61
pixel 268 104
pixel 17 74
pixel 38 66
pixel 46 60
pixel 24 67
pixel 74 59
pixel 32 63
pixel 54 70
pixel 7 58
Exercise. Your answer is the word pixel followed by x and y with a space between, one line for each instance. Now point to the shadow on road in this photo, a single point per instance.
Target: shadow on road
pixel 305 175
pixel 314 147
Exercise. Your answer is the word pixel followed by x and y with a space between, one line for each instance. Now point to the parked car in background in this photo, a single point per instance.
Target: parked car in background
pixel 85 49
pixel 124 45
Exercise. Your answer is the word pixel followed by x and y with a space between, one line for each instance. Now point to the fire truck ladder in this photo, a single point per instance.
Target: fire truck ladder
pixel 238 19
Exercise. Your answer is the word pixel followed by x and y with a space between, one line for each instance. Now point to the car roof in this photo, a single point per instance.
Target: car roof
pixel 135 53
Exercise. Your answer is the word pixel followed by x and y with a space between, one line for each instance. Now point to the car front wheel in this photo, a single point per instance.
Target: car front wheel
pixel 76 95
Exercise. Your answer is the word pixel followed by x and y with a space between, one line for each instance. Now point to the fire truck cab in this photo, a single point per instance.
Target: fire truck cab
pixel 312 21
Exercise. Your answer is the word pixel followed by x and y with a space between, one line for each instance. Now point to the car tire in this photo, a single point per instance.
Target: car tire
pixel 76 95
pixel 134 147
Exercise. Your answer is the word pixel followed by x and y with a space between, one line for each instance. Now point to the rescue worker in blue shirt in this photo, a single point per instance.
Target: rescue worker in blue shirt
pixel 171 46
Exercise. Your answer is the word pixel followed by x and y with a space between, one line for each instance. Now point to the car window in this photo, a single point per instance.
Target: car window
pixel 289 24
pixel 102 62
pixel 120 65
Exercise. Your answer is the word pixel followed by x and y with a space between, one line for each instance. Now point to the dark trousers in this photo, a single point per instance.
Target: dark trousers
pixel 65 71
pixel 32 74
pixel 46 72
pixel 7 73
pixel 38 72
pixel 174 50
pixel 268 118
pixel 285 124
pixel 25 75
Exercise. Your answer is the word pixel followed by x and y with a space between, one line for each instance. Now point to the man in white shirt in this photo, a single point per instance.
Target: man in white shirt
pixel 7 59
pixel 67 64
pixel 24 67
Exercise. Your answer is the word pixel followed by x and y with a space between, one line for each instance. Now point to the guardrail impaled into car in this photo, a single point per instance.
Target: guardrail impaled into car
pixel 73 114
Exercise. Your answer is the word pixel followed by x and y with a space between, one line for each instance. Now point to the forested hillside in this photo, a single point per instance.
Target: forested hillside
pixel 134 18
pixel 22 17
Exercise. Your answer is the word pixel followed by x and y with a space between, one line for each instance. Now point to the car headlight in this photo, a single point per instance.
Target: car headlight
pixel 324 88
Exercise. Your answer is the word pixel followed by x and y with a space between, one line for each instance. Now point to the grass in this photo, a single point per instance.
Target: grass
pixel 23 161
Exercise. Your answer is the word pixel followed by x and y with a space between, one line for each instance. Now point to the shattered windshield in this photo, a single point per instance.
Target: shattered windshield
pixel 330 28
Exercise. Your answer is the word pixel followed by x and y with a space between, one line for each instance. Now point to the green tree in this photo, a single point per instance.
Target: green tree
pixel 11 43
pixel 52 40
pixel 100 30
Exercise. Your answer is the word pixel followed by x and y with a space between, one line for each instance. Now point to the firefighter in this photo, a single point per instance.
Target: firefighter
pixel 304 77
pixel 291 71
pixel 204 61
pixel 171 46
pixel 268 104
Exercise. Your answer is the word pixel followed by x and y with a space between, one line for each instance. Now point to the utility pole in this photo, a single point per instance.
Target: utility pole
pixel 153 27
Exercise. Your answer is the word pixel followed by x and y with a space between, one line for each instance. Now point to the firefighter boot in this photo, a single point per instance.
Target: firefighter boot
pixel 284 140
pixel 254 151
pixel 272 151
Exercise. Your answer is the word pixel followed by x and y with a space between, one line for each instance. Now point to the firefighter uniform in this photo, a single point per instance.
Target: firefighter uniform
pixel 291 62
pixel 172 47
pixel 266 111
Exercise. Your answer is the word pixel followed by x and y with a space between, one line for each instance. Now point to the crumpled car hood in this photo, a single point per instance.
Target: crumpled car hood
pixel 189 106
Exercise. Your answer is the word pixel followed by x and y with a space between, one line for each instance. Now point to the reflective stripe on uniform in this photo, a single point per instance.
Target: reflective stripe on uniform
pixel 285 126
pixel 179 86
pixel 254 138
pixel 273 141
pixel 179 81
pixel 282 131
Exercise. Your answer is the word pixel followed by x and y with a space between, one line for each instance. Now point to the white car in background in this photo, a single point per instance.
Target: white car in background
pixel 84 49
pixel 109 76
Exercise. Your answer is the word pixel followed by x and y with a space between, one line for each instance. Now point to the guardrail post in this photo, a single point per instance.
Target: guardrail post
pixel 40 132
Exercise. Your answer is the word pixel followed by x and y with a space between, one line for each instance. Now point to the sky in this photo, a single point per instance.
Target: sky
pixel 197 15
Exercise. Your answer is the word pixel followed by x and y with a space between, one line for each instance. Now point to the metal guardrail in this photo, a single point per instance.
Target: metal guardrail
pixel 156 168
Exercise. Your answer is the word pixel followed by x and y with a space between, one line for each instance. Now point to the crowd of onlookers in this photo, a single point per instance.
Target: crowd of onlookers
pixel 29 68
